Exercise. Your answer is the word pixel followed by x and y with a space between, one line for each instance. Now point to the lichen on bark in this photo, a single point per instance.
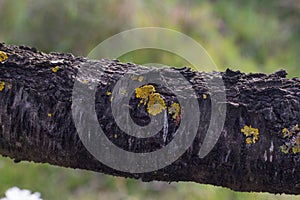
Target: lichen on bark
pixel 270 103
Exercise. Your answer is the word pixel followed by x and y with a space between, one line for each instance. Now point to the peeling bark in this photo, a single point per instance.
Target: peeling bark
pixel 36 122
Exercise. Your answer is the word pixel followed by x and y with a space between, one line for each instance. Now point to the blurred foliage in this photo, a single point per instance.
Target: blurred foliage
pixel 57 183
pixel 249 35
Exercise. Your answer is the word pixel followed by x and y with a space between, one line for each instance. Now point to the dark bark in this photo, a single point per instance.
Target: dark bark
pixel 36 122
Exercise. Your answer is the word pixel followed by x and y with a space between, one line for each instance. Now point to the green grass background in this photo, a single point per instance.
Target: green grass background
pixel 249 35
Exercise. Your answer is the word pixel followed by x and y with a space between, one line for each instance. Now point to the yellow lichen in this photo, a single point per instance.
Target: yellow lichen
pixel 83 81
pixel 248 140
pixel 291 140
pixel 49 115
pixel 108 93
pixel 284 149
pixel 204 96
pixel 115 136
pixel 140 78
pixel 123 92
pixel 155 103
pixel 296 149
pixel 285 132
pixel 3 56
pixel 2 85
pixel 55 69
pixel 144 92
pixel 134 78
pixel 174 110
pixel 251 134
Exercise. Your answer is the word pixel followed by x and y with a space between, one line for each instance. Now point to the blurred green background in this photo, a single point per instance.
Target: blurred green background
pixel 249 35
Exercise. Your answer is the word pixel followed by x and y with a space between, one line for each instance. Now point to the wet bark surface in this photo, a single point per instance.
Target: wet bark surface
pixel 36 122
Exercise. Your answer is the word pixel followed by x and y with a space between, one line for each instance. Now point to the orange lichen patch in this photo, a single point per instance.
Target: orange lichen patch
pixel 2 85
pixel 155 103
pixel 3 56
pixel 251 134
pixel 55 69
pixel 291 140
pixel 174 110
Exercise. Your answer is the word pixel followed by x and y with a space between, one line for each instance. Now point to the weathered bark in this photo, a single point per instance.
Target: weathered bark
pixel 36 122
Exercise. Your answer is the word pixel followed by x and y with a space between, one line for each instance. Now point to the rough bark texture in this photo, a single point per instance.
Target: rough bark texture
pixel 36 123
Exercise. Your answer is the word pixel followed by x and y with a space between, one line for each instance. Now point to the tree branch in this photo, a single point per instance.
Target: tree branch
pixel 258 149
